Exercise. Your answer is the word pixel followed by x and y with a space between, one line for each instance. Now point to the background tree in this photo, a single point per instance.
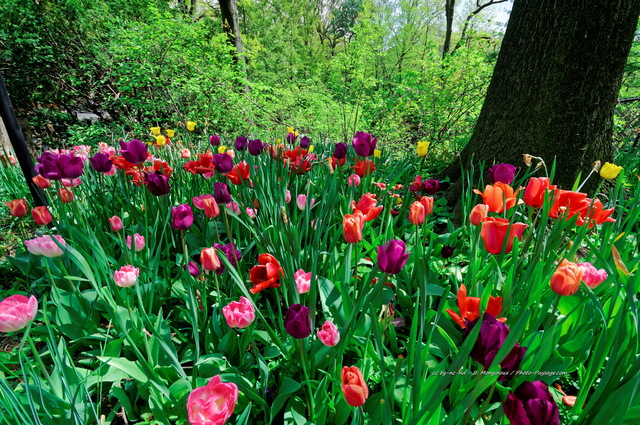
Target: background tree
pixel 554 86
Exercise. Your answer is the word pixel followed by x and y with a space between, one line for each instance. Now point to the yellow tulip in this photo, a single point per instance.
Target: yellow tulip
pixel 423 148
pixel 310 148
pixel 278 140
pixel 610 171
pixel 160 140
pixel 289 129
pixel 191 125
pixel 155 130
pixel 221 149
pixel 377 153
pixel 398 201
pixel 171 133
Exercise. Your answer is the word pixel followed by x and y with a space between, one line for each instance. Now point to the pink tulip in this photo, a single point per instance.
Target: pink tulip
pixel 139 242
pixel 234 207
pixel 239 314
pixel 303 281
pixel 45 245
pixel 212 404
pixel 287 197
pixel 329 334
pixel 198 201
pixel 353 180
pixel 251 212
pixel 116 223
pixel 126 276
pixel 592 276
pixel 301 201
pixel 16 312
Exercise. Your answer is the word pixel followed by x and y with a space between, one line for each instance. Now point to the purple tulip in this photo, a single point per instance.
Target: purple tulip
pixel 193 269
pixel 69 166
pixel 364 144
pixel 240 143
pixel 511 363
pixel 255 147
pixel 340 151
pixel 447 251
pixel 47 166
pixel 490 339
pixel 432 186
pixel 297 321
pixel 305 142
pixel 134 151
pixel 223 163
pixel 504 173
pixel 181 217
pixel 229 250
pixel 157 183
pixel 221 193
pixel 291 137
pixel 101 162
pixel 214 140
pixel 392 256
pixel 531 404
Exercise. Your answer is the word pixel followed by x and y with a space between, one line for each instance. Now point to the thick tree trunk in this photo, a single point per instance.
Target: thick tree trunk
pixel 555 86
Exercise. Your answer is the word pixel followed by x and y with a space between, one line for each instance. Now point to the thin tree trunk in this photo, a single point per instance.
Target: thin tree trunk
pixel 230 22
pixel 449 9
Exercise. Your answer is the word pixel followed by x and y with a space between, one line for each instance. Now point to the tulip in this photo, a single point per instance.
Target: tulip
pixel 503 173
pixel 17 207
pixel 214 140
pixel 417 185
pixel 364 144
pixel 240 173
pixel 392 256
pixel 447 251
pixel 170 133
pixel 46 245
pixel 340 150
pixel 138 242
pixel 192 268
pixel 71 182
pixel 610 171
pixel 492 335
pixel 181 217
pixel 126 276
pixel 48 166
pixel 287 196
pixel 297 321
pixel 222 149
pixel 470 308
pixel 364 168
pixel 291 136
pixel 478 214
pixel 209 259
pixel 157 183
pixel 155 130
pixel 536 190
pixel 301 202
pixel 329 334
pixel 423 148
pixel 240 143
pixel 223 163
pixel 566 278
pixel 41 182
pixel 255 147
pixel 101 162
pixel 212 404
pixel 352 225
pixel 427 203
pixel 494 233
pixel 41 215
pixel 431 186
pixel 416 213
pixel 229 250
pixel 499 197
pixel 65 194
pixel 233 207
pixel 592 276
pixel 16 312
pixel 221 193
pixel 531 404
pixel 353 386
pixel 69 166
pixel 161 140
pixel 211 209
pixel 305 142
pixel 511 364
pixel 303 281
pixel 134 151
pixel 239 314
pixel 377 153
pixel 198 201
pixel 353 180
pixel 185 153
pixel 191 125
pixel 367 204
pixel 267 274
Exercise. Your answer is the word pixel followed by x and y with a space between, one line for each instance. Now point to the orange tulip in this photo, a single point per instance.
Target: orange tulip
pixel 499 196
pixel 41 182
pixel 354 387
pixel 470 308
pixel 494 231
pixel 427 202
pixel 566 278
pixel 66 195
pixel 17 207
pixel 416 213
pixel 367 204
pixel 352 225
pixel 478 214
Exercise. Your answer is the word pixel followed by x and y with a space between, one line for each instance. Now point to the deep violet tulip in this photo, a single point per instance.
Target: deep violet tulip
pixel 364 144
pixel 134 151
pixel 221 193
pixel 504 173
pixel 531 404
pixel 240 143
pixel 297 321
pixel 340 151
pixel 101 162
pixel 255 147
pixel 181 217
pixel 69 166
pixel 223 163
pixel 157 183
pixel 305 142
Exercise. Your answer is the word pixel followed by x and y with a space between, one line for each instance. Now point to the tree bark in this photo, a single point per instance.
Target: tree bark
pixel 554 87
pixel 231 25
pixel 449 9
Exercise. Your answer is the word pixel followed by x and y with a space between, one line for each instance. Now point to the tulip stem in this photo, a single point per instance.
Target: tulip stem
pixel 585 180
pixel 486 403
pixel 36 355
pixel 303 362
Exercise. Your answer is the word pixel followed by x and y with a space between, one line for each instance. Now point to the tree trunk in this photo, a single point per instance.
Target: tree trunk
pixel 554 87
pixel 231 25
pixel 449 9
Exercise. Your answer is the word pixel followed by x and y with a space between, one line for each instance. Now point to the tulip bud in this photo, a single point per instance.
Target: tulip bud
pixel 116 223
pixel 354 387
pixel 427 202
pixel 416 213
pixel 329 334
pixel 17 207
pixel 478 214
pixel 126 276
pixel 209 259
pixel 41 215
pixel 138 242
pixel 297 321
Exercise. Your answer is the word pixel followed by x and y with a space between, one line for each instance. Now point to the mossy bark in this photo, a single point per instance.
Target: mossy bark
pixel 555 86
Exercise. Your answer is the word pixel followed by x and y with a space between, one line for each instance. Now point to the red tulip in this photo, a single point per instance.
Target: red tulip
pixel 416 213
pixel 478 214
pixel 116 223
pixel 367 204
pixel 427 202
pixel 41 215
pixel 66 195
pixel 267 274
pixel 17 207
pixel 364 168
pixel 535 191
pixel 209 259
pixel 494 231
pixel 470 308
pixel 352 225
pixel 41 182
pixel 354 387
pixel 499 197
